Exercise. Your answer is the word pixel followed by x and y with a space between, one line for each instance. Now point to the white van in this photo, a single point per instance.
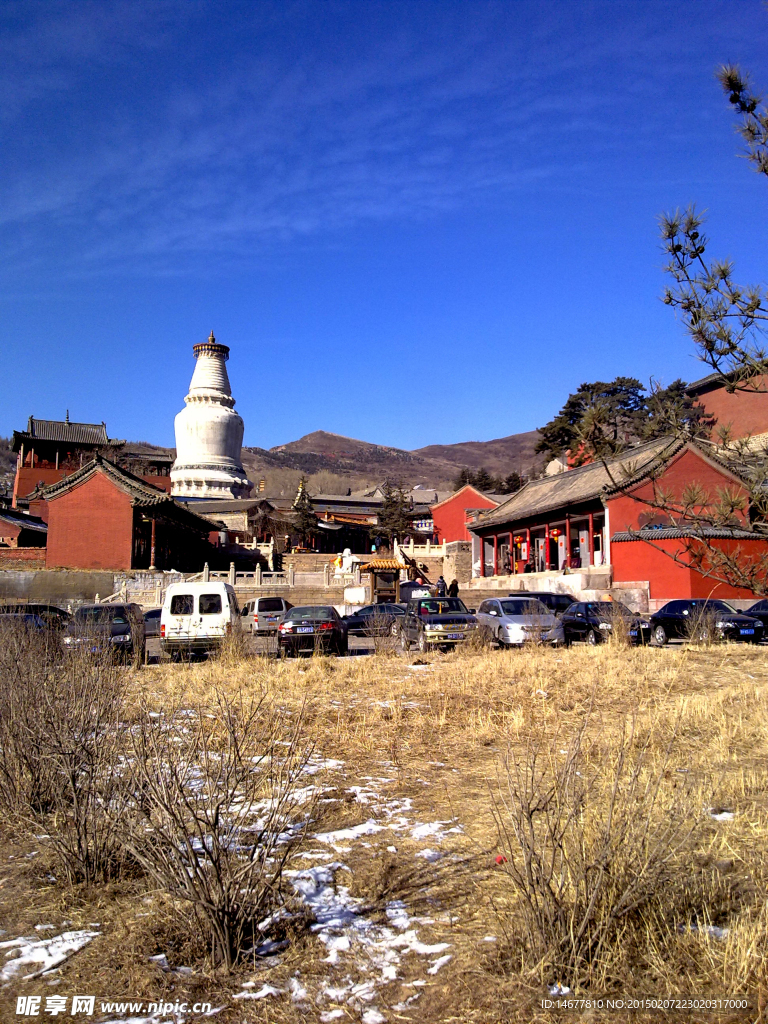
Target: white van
pixel 197 616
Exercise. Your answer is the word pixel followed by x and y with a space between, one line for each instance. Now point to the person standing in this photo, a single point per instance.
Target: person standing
pixel 441 587
pixel 453 590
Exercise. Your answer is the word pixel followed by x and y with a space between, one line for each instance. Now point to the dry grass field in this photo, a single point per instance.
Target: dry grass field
pixel 476 827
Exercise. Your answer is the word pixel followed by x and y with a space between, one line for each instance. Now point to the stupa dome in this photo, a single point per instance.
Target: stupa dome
pixel 209 433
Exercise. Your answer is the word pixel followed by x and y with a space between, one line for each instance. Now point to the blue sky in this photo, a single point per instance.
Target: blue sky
pixel 413 223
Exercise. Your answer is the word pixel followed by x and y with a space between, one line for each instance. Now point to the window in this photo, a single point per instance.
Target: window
pixel 270 604
pixel 530 607
pixel 484 608
pixel 182 604
pixel 210 604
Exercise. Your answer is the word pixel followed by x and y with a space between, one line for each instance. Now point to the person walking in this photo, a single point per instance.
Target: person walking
pixel 453 590
pixel 441 586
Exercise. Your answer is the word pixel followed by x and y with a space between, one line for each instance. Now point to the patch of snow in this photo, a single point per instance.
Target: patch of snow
pixel 430 855
pixel 367 828
pixel 43 954
pixel 263 993
pixel 372 1016
pixel 718 814
pixel 440 962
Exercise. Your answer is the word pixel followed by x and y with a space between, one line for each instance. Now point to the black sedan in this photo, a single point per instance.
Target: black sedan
pixel 310 628
pixel 700 619
pixel 759 610
pixel 115 630
pixel 595 621
pixel 375 620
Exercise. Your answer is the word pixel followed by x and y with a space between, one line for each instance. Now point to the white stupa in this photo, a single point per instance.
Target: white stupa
pixel 209 433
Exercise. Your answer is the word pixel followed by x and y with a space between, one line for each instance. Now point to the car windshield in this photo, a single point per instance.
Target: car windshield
pixel 527 607
pixel 610 609
pixel 443 606
pixel 93 615
pixel 318 612
pixel 712 606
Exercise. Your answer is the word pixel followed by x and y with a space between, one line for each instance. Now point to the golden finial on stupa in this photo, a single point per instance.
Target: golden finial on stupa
pixel 211 338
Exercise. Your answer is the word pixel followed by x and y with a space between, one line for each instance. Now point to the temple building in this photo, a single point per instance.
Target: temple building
pixel 209 433
pixel 50 450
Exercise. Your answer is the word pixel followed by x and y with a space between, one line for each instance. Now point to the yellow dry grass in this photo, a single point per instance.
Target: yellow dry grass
pixel 440 727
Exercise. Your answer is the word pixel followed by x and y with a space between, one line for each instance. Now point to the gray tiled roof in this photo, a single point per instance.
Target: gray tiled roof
pixel 577 485
pixel 63 430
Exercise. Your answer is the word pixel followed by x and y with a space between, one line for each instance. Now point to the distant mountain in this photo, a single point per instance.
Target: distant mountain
pixel 433 466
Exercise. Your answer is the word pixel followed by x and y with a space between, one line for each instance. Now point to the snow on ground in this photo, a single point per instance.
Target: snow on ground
pixel 357 945
pixel 31 956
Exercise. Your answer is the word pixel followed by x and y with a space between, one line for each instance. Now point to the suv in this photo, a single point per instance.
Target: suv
pixel 436 621
pixel 557 603
pixel 264 614
pixel 53 617
pixel 115 629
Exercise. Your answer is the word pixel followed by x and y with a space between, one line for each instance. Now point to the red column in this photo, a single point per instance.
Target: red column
pixel 482 555
pixel 152 546
pixel 546 546
pixel 591 538
pixel 495 555
pixel 528 557
pixel 567 540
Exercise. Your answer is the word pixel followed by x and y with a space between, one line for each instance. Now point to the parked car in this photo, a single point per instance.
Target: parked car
pixel 196 617
pixel 23 621
pixel 152 623
pixel 700 618
pixel 759 610
pixel 375 620
pixel 311 628
pixel 595 621
pixel 114 629
pixel 264 614
pixel 513 621
pixel 436 621
pixel 53 617
pixel 557 603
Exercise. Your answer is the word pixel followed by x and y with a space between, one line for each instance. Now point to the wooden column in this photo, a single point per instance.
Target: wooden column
pixel 546 546
pixel 528 557
pixel 567 540
pixel 495 555
pixel 591 538
pixel 152 544
pixel 482 555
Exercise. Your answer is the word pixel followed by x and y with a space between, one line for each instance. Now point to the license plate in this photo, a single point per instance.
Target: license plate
pixel 270 618
pixel 305 629
pixel 747 632
pixel 455 636
pixel 633 632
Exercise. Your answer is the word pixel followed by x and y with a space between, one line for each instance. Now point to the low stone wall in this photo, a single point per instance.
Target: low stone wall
pixel 50 586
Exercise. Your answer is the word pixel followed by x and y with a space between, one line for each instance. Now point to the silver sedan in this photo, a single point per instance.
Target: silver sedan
pixel 514 621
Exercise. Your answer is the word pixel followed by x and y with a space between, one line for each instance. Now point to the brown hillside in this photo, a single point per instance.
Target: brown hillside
pixel 435 466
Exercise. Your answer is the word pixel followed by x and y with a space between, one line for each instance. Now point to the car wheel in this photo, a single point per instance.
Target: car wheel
pixel 393 629
pixel 500 640
pixel 659 636
pixel 422 643
pixel 405 643
pixel 592 638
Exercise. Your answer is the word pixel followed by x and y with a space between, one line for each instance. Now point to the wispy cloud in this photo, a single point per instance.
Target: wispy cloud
pixel 157 169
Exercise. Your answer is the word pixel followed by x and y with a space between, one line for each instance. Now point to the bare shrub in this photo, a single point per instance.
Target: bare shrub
pixel 216 813
pixel 60 749
pixel 384 632
pixel 26 659
pixel 591 835
pixel 234 647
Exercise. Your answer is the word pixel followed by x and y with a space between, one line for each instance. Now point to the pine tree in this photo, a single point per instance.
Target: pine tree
pixel 395 515
pixel 306 520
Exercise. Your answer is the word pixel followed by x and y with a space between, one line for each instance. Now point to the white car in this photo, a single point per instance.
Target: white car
pixel 197 616
pixel 514 621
